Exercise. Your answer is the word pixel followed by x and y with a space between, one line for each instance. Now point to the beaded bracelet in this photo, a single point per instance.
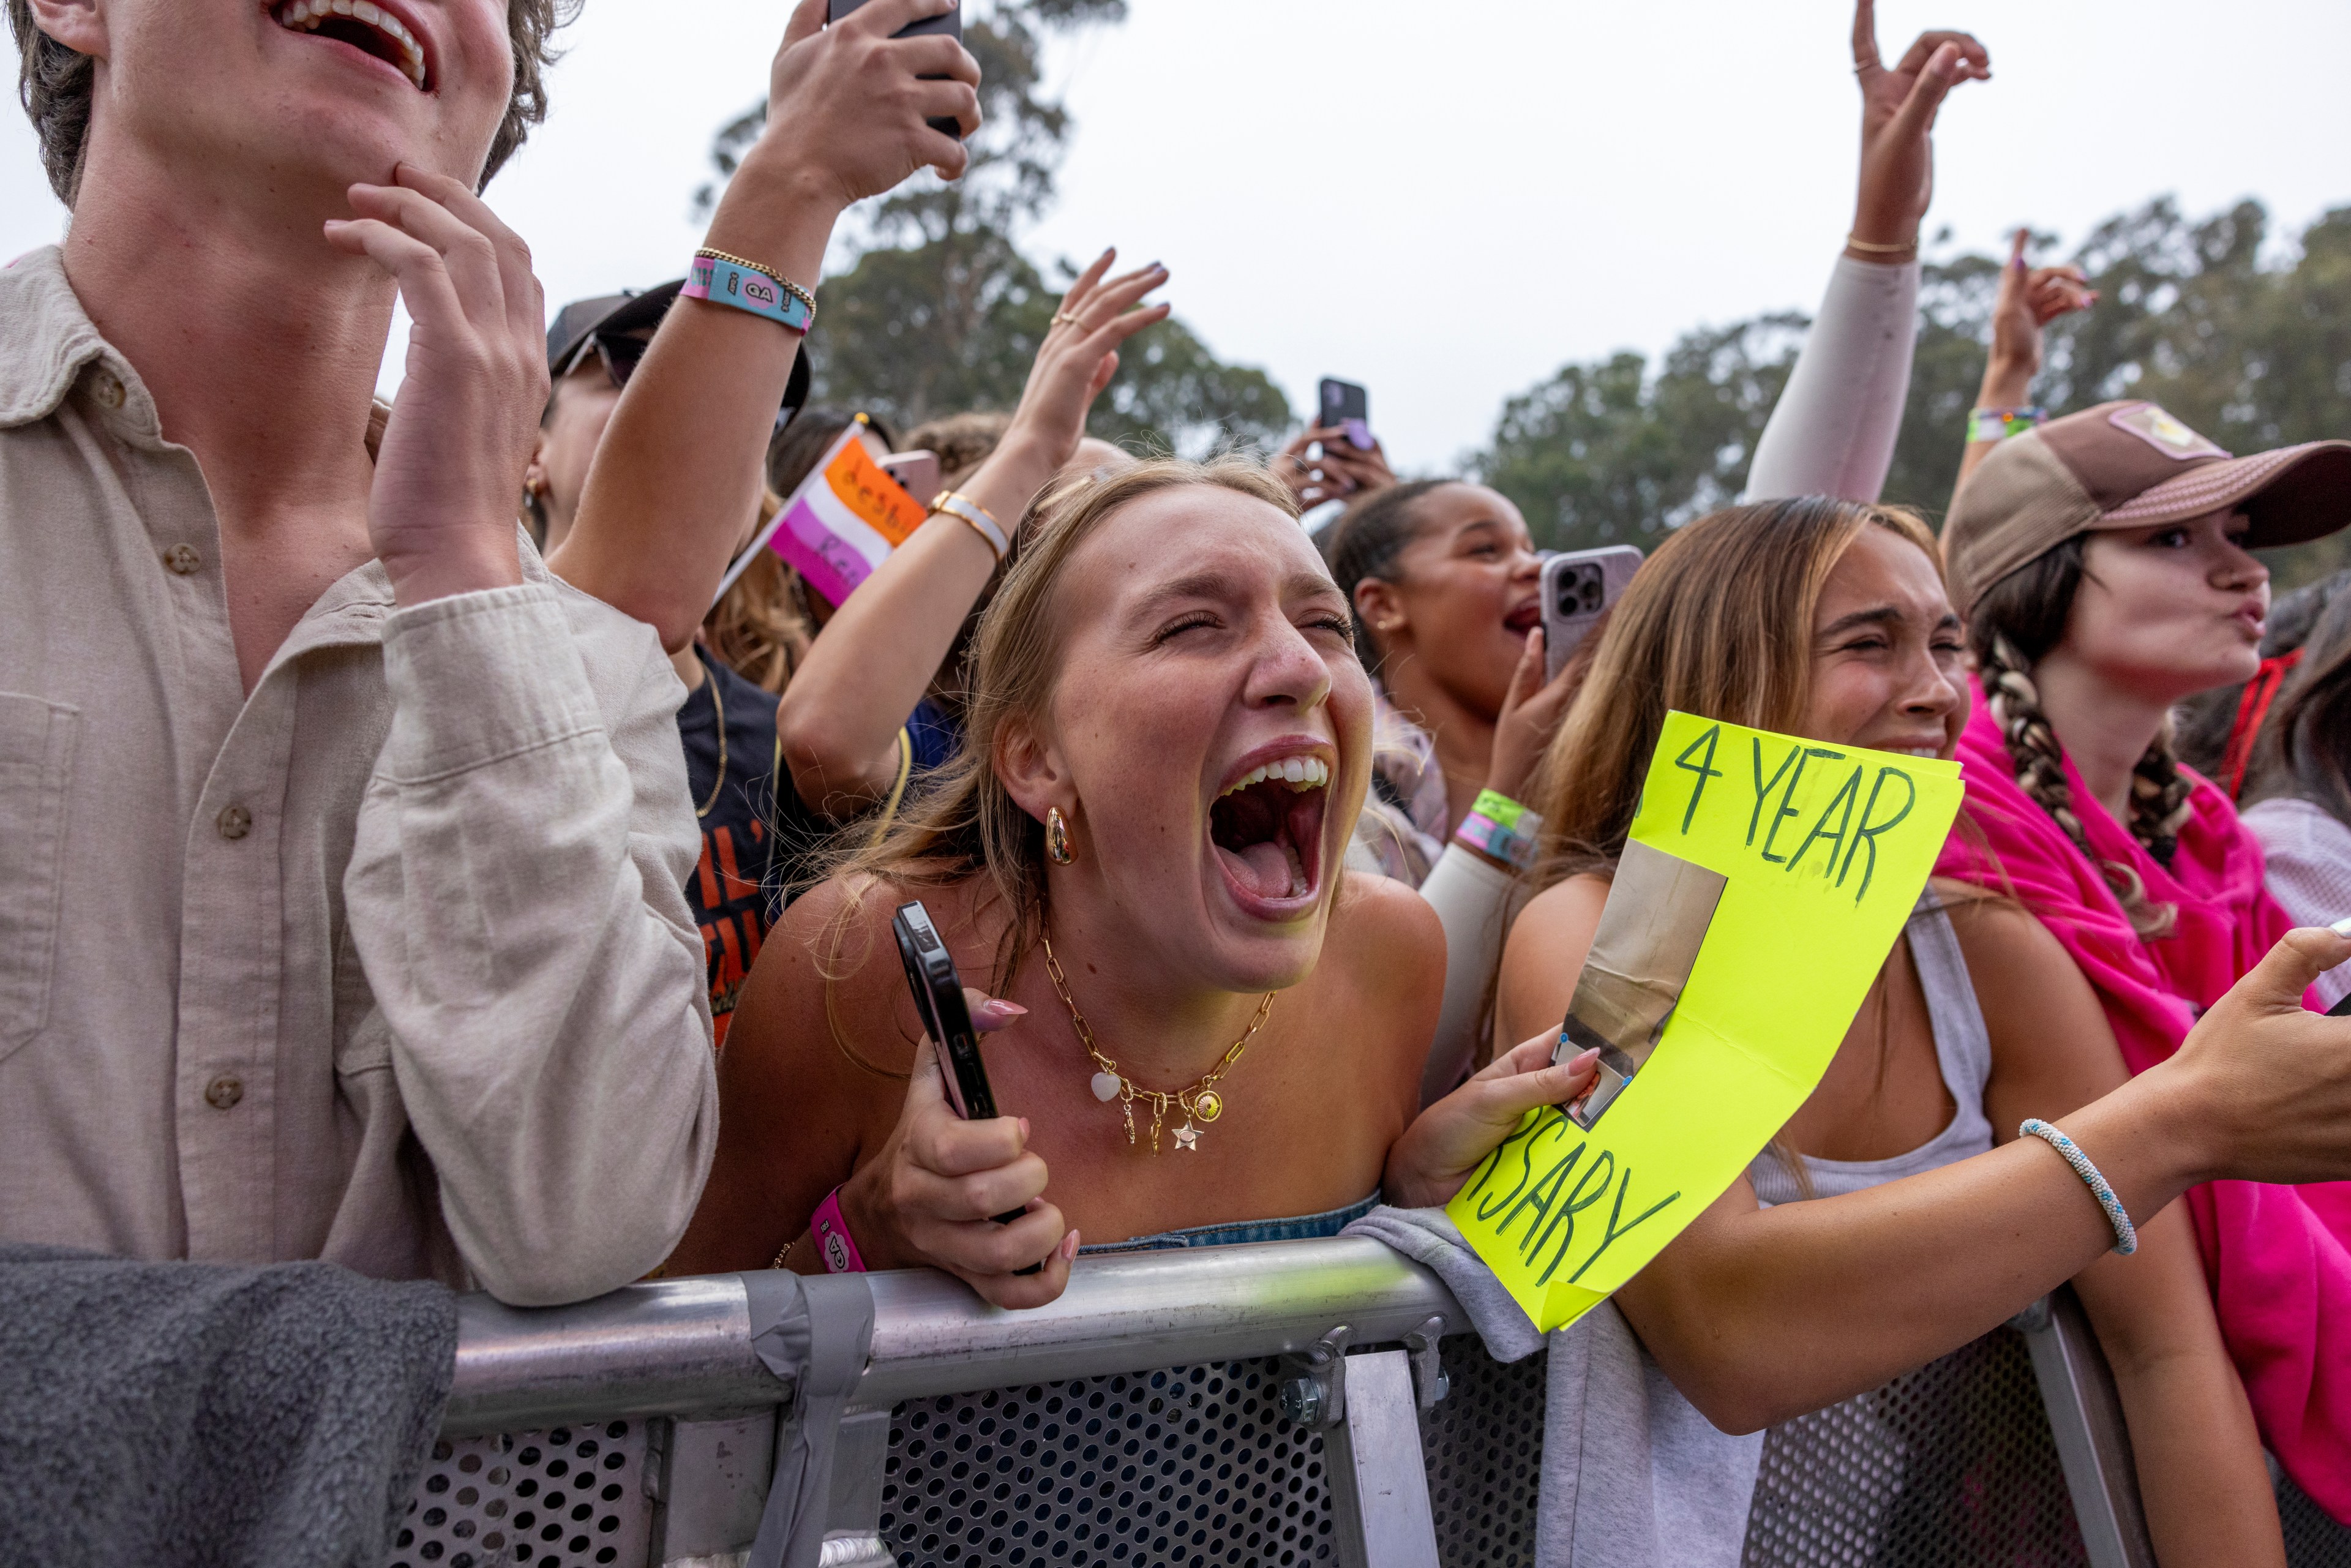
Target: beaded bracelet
pixel 2125 1234
pixel 1500 827
pixel 724 279
pixel 1999 424
pixel 983 522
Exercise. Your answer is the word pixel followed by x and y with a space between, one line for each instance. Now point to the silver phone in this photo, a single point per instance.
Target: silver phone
pixel 1576 586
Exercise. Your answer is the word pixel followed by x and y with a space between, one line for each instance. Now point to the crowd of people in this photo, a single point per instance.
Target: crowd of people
pixel 409 857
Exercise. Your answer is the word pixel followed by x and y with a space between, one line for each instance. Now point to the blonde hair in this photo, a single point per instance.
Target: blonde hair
pixel 759 628
pixel 965 822
pixel 1718 623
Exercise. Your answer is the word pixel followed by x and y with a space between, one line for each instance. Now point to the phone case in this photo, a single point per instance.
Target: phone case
pixel 938 1000
pixel 1576 586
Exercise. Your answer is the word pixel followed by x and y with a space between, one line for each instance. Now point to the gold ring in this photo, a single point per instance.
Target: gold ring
pixel 1063 319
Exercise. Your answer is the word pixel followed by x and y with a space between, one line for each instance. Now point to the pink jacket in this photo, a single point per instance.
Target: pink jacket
pixel 2279 1258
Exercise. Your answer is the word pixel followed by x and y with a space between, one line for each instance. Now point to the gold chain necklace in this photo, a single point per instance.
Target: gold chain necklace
pixel 1201 1102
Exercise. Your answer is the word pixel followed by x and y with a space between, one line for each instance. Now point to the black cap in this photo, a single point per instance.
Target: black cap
pixel 635 311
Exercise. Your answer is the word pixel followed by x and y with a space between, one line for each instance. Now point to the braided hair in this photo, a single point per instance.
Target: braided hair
pixel 2016 621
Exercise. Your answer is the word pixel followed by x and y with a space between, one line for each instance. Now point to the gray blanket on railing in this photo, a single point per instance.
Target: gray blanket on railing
pixel 1633 1475
pixel 187 1413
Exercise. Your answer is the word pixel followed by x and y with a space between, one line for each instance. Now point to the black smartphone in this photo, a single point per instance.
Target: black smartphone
pixel 1576 586
pixel 1348 407
pixel 938 1001
pixel 951 24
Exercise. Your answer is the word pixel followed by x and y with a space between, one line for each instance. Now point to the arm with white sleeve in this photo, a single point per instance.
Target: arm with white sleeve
pixel 1834 429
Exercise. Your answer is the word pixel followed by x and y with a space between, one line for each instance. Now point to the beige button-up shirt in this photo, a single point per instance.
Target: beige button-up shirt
pixel 388 963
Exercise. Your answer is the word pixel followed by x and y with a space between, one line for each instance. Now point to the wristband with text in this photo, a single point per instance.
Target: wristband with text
pixel 724 279
pixel 1999 424
pixel 1500 827
pixel 832 1240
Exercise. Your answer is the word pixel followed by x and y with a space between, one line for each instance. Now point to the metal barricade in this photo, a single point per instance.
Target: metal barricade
pixel 1289 1403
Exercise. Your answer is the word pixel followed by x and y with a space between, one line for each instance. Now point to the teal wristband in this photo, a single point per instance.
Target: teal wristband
pixel 730 281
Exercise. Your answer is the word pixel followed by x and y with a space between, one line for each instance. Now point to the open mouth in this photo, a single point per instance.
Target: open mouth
pixel 365 26
pixel 1525 618
pixel 1265 830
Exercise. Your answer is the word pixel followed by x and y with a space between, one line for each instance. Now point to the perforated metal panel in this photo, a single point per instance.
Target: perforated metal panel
pixel 2312 1539
pixel 1190 1466
pixel 1483 1444
pixel 570 1497
pixel 1948 1467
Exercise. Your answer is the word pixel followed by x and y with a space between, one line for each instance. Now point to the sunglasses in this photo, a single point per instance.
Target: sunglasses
pixel 618 352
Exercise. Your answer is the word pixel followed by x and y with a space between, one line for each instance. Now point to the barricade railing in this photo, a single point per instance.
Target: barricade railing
pixel 1286 1402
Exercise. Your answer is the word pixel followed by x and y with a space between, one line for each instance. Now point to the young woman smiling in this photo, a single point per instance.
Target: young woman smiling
pixel 1900 1231
pixel 2104 563
pixel 1202 1032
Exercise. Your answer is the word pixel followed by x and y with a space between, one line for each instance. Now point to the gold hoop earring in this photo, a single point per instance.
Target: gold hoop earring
pixel 1057 838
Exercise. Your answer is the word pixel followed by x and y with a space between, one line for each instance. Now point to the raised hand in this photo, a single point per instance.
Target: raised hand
pixel 1427 1166
pixel 927 1198
pixel 847 104
pixel 1344 472
pixel 2029 298
pixel 441 515
pixel 1897 121
pixel 1078 357
pixel 1532 710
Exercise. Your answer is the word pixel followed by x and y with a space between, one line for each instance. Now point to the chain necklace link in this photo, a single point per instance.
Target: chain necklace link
pixel 1201 1102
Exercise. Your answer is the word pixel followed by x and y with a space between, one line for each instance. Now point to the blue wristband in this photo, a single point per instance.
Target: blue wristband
pixel 730 281
pixel 2125 1234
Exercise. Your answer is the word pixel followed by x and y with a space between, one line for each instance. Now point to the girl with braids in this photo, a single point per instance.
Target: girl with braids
pixel 2104 563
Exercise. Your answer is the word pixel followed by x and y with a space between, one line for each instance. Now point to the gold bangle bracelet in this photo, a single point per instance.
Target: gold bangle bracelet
pixel 978 518
pixel 1876 249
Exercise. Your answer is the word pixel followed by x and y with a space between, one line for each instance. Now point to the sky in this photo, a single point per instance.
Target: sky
pixel 1447 203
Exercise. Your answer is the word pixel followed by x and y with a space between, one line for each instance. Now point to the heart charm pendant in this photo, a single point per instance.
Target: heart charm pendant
pixel 1105 1087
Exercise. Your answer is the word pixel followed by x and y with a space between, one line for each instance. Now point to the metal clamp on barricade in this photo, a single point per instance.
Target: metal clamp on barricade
pixel 1270 1401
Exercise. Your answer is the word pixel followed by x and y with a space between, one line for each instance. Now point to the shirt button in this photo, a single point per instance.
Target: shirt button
pixel 235 821
pixel 224 1091
pixel 107 388
pixel 183 558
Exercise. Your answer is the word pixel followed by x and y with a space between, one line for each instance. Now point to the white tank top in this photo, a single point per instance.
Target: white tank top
pixel 1963 1052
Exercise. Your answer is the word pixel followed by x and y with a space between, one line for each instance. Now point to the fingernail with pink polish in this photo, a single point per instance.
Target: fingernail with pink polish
pixel 1069 1246
pixel 1001 1011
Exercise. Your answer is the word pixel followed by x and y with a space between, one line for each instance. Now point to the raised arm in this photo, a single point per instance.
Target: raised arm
pixel 840 718
pixel 676 482
pixel 1834 428
pixel 2029 298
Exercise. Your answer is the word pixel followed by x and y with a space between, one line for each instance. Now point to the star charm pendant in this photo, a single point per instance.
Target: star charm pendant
pixel 1187 1138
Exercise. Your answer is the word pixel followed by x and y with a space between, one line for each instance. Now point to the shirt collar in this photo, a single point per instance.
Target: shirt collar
pixel 47 339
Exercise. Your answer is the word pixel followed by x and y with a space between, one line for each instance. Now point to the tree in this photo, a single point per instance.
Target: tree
pixel 940 311
pixel 2253 352
pixel 1605 453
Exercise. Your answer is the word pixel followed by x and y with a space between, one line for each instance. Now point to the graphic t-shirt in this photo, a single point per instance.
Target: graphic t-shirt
pixel 727 726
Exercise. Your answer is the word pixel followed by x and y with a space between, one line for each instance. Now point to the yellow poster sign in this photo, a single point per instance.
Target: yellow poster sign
pixel 1799 864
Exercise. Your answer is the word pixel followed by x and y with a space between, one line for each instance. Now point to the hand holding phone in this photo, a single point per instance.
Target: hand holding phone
pixel 946 1017
pixel 948 25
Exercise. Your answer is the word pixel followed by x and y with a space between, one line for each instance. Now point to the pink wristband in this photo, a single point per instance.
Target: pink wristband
pixel 832 1241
